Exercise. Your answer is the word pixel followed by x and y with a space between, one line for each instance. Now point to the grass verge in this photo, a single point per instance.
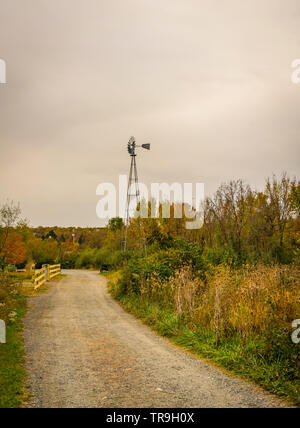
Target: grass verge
pixel 13 392
pixel 242 358
pixel 12 371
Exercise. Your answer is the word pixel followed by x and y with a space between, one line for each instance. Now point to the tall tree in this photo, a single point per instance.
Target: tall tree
pixel 9 218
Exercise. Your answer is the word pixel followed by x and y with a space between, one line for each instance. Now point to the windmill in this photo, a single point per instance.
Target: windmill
pixel 133 191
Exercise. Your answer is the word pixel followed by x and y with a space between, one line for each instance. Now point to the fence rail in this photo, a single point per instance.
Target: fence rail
pixel 41 276
pixel 53 271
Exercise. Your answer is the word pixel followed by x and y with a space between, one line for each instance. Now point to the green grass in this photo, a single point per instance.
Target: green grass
pixel 12 372
pixel 13 393
pixel 247 358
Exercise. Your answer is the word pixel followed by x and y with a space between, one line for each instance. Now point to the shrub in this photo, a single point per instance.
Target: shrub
pixel 103 259
pixel 86 259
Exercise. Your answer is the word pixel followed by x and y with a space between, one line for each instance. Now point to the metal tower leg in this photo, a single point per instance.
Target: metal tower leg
pixel 133 179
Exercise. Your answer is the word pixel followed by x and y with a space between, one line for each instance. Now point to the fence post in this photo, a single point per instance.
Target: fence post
pixel 2 332
pixel 46 267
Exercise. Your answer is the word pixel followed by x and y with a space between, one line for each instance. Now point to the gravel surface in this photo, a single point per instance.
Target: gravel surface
pixel 83 350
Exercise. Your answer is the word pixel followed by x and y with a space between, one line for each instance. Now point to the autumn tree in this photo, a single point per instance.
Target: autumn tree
pixel 14 251
pixel 43 251
pixel 295 197
pixel 279 194
pixel 227 212
pixel 115 223
pixel 10 214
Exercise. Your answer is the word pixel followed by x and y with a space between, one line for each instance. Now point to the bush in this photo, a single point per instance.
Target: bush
pixel 222 255
pixel 103 259
pixel 86 259
pixel 162 265
pixel 44 251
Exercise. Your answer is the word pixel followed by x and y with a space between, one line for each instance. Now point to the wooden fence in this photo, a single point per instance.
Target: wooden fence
pixel 39 277
pixel 47 272
pixel 53 271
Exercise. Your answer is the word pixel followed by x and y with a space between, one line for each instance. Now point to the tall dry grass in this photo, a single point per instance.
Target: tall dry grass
pixel 241 319
pixel 249 301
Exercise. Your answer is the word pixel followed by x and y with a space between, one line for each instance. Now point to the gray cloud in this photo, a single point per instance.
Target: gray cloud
pixel 206 82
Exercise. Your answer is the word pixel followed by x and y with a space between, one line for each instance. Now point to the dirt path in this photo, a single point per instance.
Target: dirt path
pixel 83 350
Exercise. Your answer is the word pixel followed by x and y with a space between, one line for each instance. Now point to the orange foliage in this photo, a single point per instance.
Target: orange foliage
pixel 14 250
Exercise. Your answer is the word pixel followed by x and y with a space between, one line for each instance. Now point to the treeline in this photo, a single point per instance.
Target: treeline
pixel 21 245
pixel 240 226
pixel 248 226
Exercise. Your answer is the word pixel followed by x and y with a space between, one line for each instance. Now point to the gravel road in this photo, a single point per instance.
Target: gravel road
pixel 83 350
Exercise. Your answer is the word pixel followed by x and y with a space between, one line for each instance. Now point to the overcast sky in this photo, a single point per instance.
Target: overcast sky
pixel 207 83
